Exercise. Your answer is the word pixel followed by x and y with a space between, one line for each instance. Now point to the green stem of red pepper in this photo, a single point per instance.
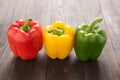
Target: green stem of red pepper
pixel 26 26
pixel 93 24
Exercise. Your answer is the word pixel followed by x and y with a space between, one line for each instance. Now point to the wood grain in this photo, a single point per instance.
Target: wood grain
pixel 73 12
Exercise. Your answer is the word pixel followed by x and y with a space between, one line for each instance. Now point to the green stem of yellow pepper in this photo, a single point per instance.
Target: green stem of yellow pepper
pixel 57 31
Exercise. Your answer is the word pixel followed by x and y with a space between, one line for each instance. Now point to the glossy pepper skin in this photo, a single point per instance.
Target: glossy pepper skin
pixel 89 41
pixel 58 40
pixel 25 38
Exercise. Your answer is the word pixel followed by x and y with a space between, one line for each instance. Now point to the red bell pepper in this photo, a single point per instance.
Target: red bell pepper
pixel 25 38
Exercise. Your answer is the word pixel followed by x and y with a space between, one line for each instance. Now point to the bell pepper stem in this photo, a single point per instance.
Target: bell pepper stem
pixel 57 31
pixel 26 26
pixel 92 25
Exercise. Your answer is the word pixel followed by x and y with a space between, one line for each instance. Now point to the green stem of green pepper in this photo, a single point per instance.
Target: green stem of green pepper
pixel 93 24
pixel 26 26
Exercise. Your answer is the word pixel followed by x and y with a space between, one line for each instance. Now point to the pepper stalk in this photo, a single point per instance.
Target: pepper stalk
pixel 26 26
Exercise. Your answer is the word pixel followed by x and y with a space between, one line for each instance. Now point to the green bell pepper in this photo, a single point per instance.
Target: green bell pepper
pixel 89 41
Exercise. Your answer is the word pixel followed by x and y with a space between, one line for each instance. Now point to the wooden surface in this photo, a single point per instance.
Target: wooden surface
pixel 73 12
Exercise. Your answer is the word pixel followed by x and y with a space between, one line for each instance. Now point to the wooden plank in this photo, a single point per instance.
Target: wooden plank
pixel 57 69
pixel 86 12
pixel 76 68
pixel 70 13
pixel 113 21
pixel 110 16
pixel 13 68
pixel 3 27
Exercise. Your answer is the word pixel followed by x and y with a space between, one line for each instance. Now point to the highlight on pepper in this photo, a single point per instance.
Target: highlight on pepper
pixel 58 40
pixel 89 41
pixel 25 38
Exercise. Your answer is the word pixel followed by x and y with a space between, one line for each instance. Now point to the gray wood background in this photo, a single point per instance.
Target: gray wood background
pixel 73 12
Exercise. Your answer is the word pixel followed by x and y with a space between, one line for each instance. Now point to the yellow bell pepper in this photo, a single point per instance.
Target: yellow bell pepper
pixel 58 40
